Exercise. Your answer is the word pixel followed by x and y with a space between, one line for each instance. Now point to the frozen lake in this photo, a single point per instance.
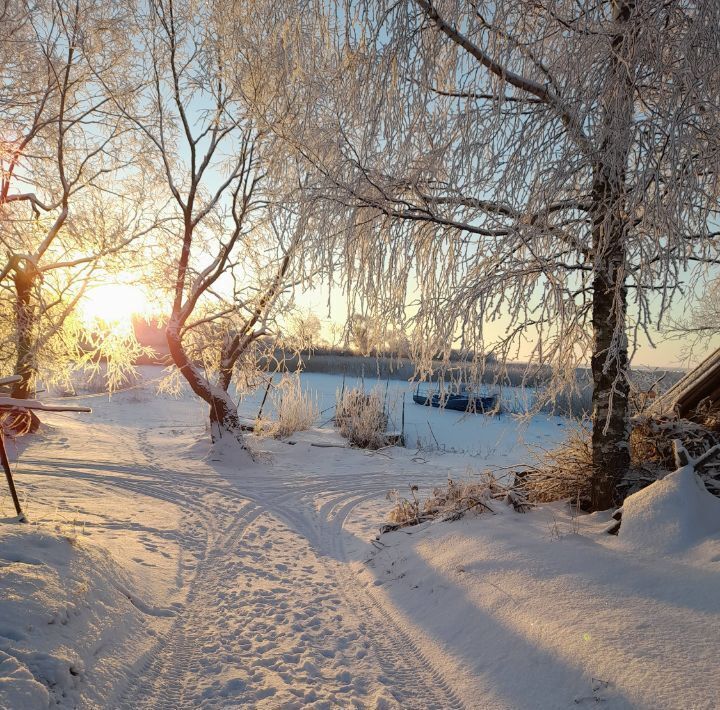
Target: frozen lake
pixel 506 436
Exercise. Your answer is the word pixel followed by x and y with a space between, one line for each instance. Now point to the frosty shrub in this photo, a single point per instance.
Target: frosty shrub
pixel 453 501
pixel 296 409
pixel 562 473
pixel 361 418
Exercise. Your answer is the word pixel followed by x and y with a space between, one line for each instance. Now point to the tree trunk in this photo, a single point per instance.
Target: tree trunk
pixel 610 434
pixel 25 316
pixel 224 419
pixel 610 437
pixel 24 331
pixel 227 362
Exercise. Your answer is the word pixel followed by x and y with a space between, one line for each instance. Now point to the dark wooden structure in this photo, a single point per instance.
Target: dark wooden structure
pixel 699 385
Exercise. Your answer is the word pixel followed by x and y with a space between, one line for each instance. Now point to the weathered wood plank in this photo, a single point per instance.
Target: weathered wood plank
pixel 684 396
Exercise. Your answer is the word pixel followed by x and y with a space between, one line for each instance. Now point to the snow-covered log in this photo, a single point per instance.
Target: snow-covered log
pixel 36 404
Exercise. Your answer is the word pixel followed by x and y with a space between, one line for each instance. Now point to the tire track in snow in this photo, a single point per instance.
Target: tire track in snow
pixel 161 681
pixel 180 662
pixel 272 565
pixel 372 609
pixel 410 676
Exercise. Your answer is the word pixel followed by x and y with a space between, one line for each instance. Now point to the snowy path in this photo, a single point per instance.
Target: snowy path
pixel 157 577
pixel 273 613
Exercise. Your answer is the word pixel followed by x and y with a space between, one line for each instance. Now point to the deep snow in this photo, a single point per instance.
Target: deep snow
pixel 155 574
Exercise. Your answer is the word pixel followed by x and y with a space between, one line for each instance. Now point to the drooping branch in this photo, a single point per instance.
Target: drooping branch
pixel 540 91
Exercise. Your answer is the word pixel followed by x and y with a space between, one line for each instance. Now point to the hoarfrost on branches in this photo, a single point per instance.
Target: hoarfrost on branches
pixel 548 166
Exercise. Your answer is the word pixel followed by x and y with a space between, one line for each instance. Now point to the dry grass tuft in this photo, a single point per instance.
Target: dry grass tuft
pixel 562 473
pixel 296 409
pixel 452 501
pixel 361 418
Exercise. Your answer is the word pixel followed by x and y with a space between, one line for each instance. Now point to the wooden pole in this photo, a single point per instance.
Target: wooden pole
pixel 11 483
pixel 262 404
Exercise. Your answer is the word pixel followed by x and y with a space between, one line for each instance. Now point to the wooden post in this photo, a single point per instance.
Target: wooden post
pixel 11 483
pixel 27 405
pixel 262 404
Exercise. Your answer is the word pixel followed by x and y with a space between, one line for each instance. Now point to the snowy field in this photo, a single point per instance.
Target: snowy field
pixel 158 574
pixel 481 437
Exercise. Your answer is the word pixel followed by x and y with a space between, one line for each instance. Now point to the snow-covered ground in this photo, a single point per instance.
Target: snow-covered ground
pixel 482 437
pixel 155 574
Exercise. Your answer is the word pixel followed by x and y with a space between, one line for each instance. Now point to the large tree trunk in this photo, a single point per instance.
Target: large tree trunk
pixel 610 437
pixel 224 419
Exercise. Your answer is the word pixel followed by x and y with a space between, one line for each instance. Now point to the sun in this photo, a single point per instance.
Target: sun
pixel 114 305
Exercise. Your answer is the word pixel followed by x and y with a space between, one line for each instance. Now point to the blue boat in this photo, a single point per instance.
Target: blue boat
pixel 459 398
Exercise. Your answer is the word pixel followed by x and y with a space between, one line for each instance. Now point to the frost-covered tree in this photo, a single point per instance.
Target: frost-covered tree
pixel 360 332
pixel 54 340
pixel 68 199
pixel 302 331
pixel 229 257
pixel 552 166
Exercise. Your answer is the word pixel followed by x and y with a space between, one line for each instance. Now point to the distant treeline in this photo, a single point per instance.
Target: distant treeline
pixel 335 361
pixel 338 361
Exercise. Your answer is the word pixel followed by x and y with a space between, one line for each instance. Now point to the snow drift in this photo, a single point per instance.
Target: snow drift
pixel 63 612
pixel 670 515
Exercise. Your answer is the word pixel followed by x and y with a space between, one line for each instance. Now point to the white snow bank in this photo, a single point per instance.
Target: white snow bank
pixel 670 515
pixel 545 610
pixel 18 687
pixel 61 610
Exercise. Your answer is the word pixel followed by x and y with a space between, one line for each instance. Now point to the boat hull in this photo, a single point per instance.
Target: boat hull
pixel 459 403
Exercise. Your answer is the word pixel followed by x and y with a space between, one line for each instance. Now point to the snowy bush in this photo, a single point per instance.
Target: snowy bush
pixel 361 418
pixel 296 409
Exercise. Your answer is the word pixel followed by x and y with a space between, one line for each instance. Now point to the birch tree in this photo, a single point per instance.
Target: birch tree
pixel 549 166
